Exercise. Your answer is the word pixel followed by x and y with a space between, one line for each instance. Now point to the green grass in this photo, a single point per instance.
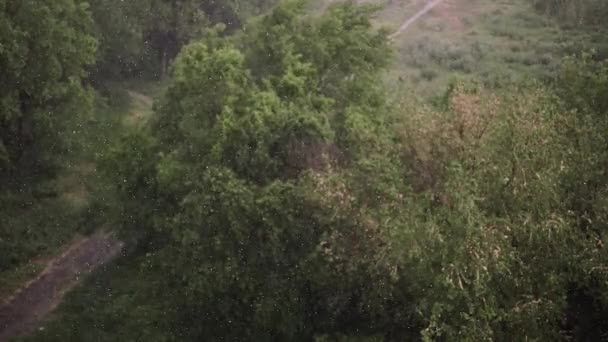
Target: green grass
pixel 13 279
pixel 494 42
pixel 490 41
pixel 33 228
pixel 113 304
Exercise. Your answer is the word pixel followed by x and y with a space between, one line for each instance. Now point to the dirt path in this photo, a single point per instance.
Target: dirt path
pixel 23 312
pixel 26 309
pixel 429 6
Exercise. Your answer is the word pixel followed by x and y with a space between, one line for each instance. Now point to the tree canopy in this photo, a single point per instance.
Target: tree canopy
pixel 281 191
pixel 142 37
pixel 287 199
pixel 45 48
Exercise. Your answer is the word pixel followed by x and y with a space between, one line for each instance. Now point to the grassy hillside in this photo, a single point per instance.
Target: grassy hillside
pixel 494 42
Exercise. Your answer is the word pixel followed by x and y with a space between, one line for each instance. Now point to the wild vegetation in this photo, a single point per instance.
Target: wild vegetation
pixel 306 175
pixel 575 13
pixel 43 62
pixel 141 37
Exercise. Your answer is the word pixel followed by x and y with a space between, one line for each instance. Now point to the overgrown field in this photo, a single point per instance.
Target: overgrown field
pixel 487 41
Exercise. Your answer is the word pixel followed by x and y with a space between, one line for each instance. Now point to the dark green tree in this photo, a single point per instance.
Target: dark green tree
pixel 234 182
pixel 45 48
pixel 140 38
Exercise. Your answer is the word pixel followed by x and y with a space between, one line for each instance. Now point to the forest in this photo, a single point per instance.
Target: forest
pixel 303 170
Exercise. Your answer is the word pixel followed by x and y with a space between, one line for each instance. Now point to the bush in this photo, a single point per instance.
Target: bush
pixel 428 74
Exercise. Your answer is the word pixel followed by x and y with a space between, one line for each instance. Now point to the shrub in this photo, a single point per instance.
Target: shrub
pixel 428 74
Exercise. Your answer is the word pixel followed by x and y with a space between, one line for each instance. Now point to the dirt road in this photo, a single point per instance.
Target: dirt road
pixel 24 311
pixel 429 6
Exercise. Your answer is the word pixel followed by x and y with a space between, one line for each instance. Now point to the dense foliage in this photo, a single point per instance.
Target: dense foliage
pixel 280 196
pixel 575 12
pixel 234 174
pixel 139 38
pixel 53 123
pixel 45 47
pixel 280 191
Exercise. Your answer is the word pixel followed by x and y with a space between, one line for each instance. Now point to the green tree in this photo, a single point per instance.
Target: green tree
pixel 45 47
pixel 142 37
pixel 231 181
pixel 279 196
